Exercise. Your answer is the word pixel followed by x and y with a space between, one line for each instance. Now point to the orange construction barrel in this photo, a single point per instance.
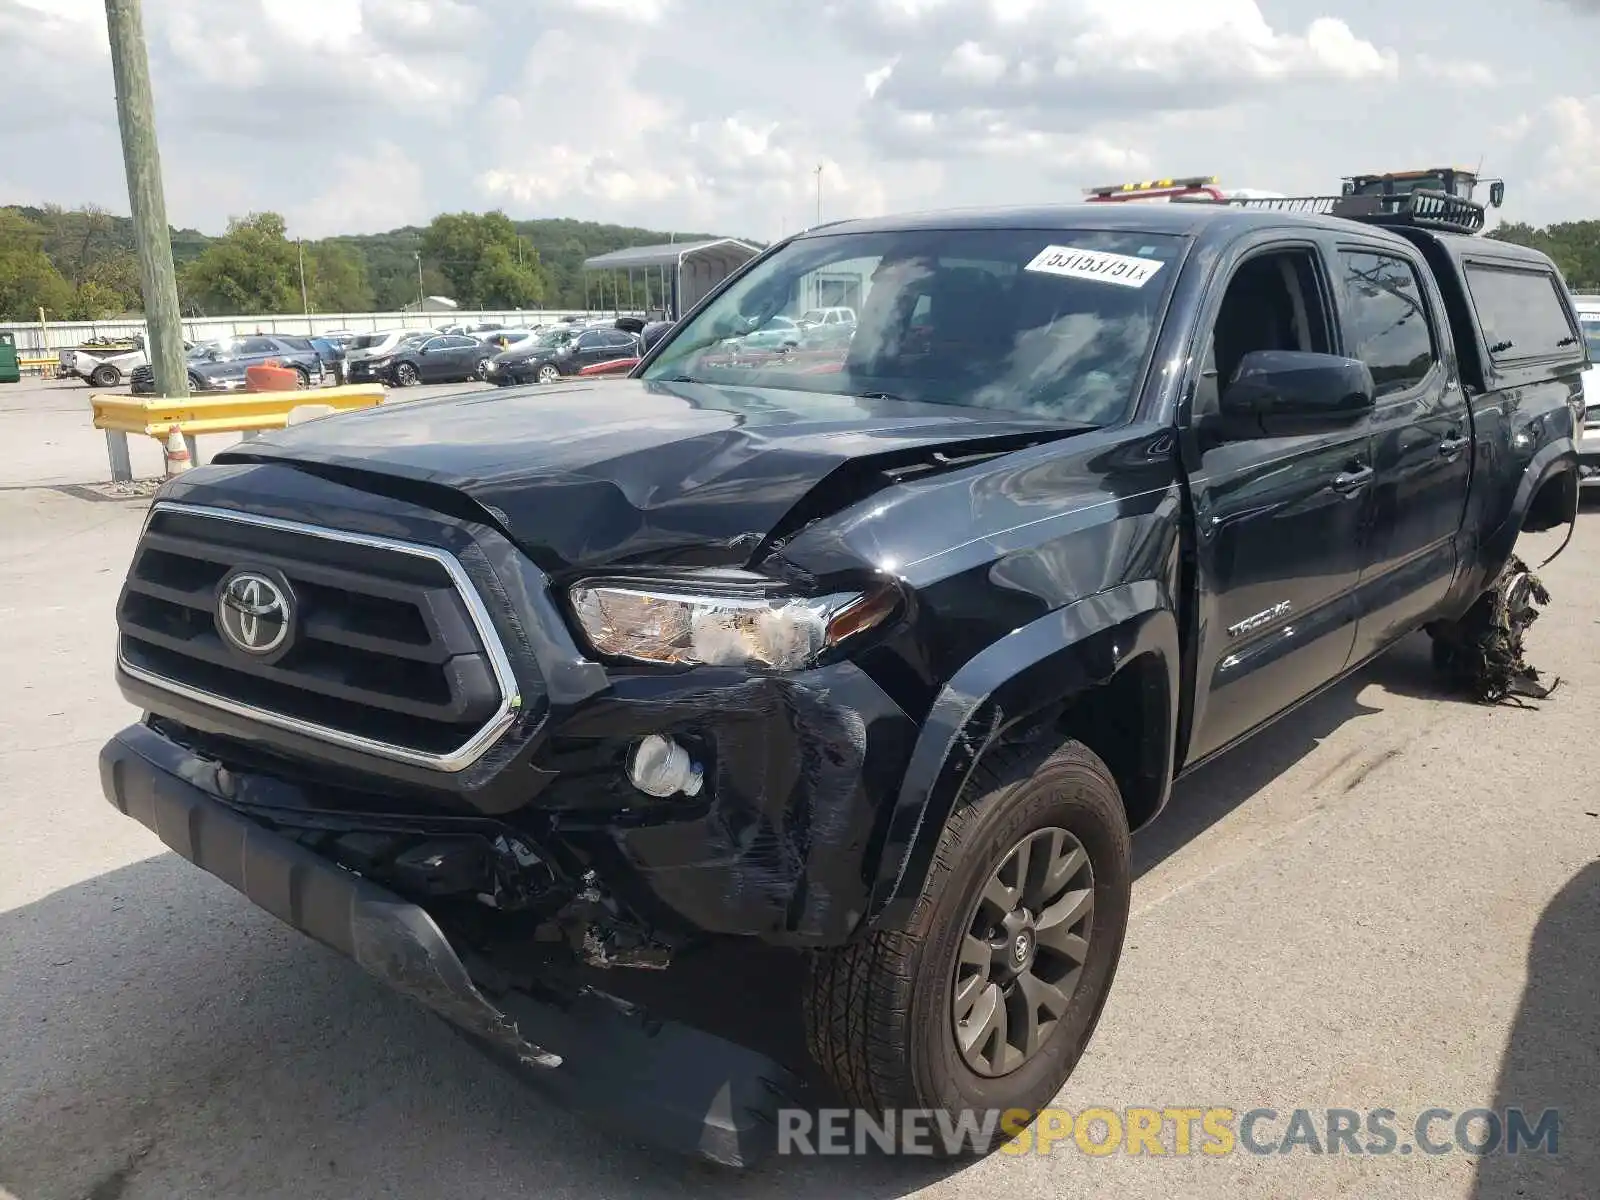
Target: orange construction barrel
pixel 269 377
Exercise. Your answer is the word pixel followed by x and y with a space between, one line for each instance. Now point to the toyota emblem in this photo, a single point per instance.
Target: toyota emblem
pixel 255 613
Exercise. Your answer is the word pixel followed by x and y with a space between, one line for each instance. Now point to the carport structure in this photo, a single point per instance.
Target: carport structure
pixel 676 275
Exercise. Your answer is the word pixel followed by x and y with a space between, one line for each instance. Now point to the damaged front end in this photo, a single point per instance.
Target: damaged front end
pixel 680 1087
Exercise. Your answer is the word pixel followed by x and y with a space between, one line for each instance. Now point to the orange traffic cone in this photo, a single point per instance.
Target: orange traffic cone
pixel 177 451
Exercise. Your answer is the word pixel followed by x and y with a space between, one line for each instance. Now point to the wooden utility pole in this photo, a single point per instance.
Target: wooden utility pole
pixel 130 67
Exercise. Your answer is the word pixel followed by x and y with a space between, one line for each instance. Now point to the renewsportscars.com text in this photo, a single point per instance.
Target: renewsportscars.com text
pixel 1214 1132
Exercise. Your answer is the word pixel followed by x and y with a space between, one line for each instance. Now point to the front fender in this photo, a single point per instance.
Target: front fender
pixel 1044 663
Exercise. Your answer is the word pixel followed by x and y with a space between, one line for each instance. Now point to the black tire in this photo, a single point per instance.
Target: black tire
pixel 480 370
pixel 104 376
pixel 406 375
pixel 548 373
pixel 879 1010
pixel 196 384
pixel 302 378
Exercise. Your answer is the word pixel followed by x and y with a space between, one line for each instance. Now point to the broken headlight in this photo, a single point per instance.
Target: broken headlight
pixel 694 628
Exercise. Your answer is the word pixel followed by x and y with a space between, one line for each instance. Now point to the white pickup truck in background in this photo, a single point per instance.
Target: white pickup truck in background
pixel 103 364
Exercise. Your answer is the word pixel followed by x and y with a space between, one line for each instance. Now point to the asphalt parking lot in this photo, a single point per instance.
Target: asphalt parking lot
pixel 1389 900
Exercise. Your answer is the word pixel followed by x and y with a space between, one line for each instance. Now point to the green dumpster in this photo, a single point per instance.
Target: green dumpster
pixel 10 369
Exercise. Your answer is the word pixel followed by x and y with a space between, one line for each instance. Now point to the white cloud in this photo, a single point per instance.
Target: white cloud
pixel 1464 72
pixel 1563 142
pixel 378 188
pixel 702 115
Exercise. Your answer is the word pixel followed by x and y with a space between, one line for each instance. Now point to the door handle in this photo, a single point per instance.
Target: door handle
pixel 1452 446
pixel 1350 482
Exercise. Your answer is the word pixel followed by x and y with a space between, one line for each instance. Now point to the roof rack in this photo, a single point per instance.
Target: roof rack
pixel 1419 209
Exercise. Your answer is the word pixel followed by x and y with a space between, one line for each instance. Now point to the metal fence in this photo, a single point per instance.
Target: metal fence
pixel 43 340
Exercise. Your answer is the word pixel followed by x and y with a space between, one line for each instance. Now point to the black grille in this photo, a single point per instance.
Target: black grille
pixel 143 379
pixel 385 648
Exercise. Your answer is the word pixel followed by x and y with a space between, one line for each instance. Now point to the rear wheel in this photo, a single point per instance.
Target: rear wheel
pixel 105 375
pixel 302 378
pixel 986 1000
pixel 480 370
pixel 406 375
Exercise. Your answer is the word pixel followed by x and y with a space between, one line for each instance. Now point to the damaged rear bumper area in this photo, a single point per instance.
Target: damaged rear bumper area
pixel 679 1087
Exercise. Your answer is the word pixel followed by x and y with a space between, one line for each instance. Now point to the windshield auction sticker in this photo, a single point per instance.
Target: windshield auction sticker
pixel 1122 269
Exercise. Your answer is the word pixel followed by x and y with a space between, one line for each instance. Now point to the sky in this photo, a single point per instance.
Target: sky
pixel 354 116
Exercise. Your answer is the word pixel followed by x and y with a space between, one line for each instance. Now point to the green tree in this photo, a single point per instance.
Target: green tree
pixel 251 270
pixel 1574 245
pixel 336 279
pixel 486 263
pixel 29 281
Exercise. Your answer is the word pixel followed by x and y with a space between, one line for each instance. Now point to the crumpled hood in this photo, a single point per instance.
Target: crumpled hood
pixel 633 472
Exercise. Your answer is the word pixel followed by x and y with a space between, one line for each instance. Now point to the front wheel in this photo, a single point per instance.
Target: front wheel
pixel 984 1003
pixel 548 373
pixel 406 375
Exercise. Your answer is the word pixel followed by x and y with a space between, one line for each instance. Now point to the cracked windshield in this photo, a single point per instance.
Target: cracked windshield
pixel 1055 324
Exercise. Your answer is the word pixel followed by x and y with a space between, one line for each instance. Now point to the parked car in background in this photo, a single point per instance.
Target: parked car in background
pixel 778 333
pixel 827 328
pixel 376 345
pixel 563 350
pixel 475 328
pixel 1589 448
pixel 331 354
pixel 221 366
pixel 444 358
pixel 652 333
pixel 501 340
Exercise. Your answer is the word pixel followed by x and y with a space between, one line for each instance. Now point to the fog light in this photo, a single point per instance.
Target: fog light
pixel 658 766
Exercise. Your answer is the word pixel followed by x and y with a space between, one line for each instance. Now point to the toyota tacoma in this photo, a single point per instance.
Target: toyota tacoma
pixel 876 654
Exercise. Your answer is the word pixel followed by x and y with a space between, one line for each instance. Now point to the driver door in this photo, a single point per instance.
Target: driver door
pixel 1281 523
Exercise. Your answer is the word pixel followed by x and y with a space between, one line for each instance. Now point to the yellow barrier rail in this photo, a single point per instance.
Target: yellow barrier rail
pixel 46 366
pixel 236 412
pixel 246 413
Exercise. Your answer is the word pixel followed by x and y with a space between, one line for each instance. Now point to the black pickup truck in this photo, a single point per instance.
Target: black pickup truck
pixel 877 655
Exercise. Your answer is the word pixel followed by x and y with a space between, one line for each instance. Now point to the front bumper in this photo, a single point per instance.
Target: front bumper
pixel 679 1087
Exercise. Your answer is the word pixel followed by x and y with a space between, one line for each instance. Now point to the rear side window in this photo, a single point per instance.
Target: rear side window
pixel 1522 312
pixel 1388 327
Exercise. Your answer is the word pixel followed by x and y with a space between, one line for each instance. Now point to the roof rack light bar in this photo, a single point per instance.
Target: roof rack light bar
pixel 1153 185
pixel 1417 209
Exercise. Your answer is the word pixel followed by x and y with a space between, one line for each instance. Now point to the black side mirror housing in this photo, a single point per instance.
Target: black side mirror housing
pixel 1497 193
pixel 1281 393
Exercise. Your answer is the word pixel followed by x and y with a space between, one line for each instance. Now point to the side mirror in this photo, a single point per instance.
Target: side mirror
pixel 1497 193
pixel 1280 393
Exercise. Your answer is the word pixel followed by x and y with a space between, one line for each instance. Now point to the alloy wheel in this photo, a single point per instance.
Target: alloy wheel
pixel 1023 952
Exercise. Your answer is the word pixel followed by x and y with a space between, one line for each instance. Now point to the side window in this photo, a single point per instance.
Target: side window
pixel 258 345
pixel 588 341
pixel 431 344
pixel 1522 313
pixel 461 343
pixel 1273 302
pixel 1388 319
